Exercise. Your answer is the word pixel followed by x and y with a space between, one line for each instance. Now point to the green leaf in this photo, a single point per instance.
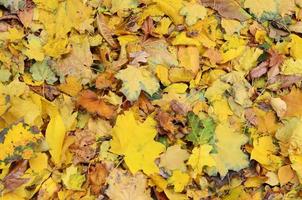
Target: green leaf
pixel 42 72
pixel 73 179
pixel 13 5
pixel 202 131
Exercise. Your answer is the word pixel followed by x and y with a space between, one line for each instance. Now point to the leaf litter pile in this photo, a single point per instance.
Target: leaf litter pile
pixel 151 99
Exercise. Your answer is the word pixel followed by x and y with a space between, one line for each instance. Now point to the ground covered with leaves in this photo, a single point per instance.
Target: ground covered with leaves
pixel 150 99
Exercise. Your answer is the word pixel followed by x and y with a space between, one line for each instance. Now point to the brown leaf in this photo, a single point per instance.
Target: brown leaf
pixel 13 179
pixel 26 15
pixel 93 104
pixel 276 59
pixel 48 91
pixel 97 177
pixel 293 103
pixel 178 107
pixel 165 121
pixel 259 70
pixel 160 195
pixel 273 72
pixel 250 116
pixel 145 104
pixel 139 57
pixel 77 62
pixel 214 55
pixel 105 31
pixel 83 148
pixel 228 9
pixel 4 26
pixel 283 81
pixel 148 27
pixel 105 80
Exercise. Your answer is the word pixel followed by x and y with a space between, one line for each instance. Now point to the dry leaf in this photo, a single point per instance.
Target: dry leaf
pixel 97 177
pixel 228 8
pixel 105 31
pixel 94 104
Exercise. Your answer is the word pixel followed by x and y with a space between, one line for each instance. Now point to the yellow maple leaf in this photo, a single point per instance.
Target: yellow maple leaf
pixel 49 5
pixel 72 178
pixel 229 155
pixel 183 39
pixel 39 162
pixel 175 196
pixel 193 12
pixel 248 60
pixel 216 90
pixel 290 136
pixel 163 26
pixel 232 48
pixel 132 87
pixel 231 26
pixel 222 109
pixel 258 7
pixel 34 48
pixel 171 8
pixel 266 121
pixel 296 46
pixel 296 161
pixel 189 58
pixel 120 5
pixel 292 67
pixel 179 180
pixel 200 158
pixel 263 152
pixel 72 86
pixel 135 141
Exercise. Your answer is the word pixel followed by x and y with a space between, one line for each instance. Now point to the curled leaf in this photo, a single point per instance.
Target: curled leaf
pixel 105 31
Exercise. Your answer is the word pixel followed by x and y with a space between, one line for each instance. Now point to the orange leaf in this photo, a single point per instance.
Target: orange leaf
pixel 293 102
pixel 93 104
pixel 266 121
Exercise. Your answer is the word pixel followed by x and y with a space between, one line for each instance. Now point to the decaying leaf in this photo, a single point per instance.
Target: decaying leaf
pixel 84 148
pixel 105 31
pixel 124 186
pixel 14 179
pixel 97 177
pixel 229 9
